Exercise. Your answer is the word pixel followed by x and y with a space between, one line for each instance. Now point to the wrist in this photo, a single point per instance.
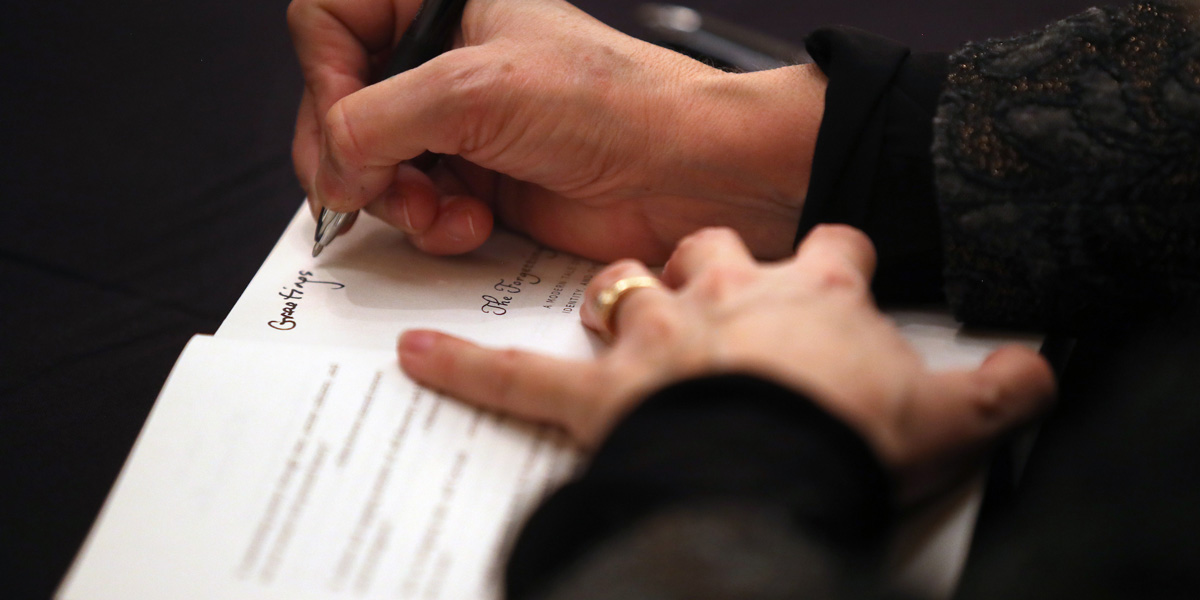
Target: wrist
pixel 758 139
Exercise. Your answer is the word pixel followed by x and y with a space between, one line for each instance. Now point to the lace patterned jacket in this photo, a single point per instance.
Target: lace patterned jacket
pixel 1068 170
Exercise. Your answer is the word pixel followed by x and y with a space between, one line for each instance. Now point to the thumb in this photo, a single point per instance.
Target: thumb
pixel 956 415
pixel 435 107
pixel 1017 384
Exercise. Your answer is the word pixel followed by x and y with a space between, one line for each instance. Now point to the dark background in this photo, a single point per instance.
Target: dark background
pixel 145 174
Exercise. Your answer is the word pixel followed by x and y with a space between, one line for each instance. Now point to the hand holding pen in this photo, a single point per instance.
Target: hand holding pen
pixel 585 139
pixel 427 36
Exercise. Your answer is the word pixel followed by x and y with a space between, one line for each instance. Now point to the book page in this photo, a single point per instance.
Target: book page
pixel 268 471
pixel 370 285
pixel 945 344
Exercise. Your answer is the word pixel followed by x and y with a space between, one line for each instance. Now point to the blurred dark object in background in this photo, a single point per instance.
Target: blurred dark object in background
pixel 927 25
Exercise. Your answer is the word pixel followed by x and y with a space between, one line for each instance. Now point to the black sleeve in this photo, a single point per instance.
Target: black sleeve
pixel 872 167
pixel 706 484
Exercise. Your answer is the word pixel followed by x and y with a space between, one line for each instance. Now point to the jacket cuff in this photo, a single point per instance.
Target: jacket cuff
pixel 872 168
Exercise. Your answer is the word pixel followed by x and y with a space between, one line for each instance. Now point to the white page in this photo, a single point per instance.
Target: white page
pixel 269 471
pixel 510 292
pixel 944 344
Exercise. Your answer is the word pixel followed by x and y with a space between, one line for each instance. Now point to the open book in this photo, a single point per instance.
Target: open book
pixel 288 457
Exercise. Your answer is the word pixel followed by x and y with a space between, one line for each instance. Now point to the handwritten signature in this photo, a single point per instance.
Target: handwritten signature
pixel 295 293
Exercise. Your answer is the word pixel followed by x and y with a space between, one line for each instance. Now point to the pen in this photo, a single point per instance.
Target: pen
pixel 427 37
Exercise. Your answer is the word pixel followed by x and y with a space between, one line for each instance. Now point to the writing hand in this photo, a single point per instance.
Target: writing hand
pixel 588 140
pixel 808 322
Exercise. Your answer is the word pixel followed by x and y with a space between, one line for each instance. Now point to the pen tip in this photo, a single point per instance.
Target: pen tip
pixel 317 248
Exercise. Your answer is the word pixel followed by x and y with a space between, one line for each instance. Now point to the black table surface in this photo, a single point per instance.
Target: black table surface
pixel 146 173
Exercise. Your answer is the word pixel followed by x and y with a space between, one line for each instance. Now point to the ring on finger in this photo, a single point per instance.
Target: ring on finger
pixel 609 297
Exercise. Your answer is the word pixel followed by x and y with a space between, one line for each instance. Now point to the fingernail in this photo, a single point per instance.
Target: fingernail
pixel 407 219
pixel 329 181
pixel 461 225
pixel 312 191
pixel 397 206
pixel 417 342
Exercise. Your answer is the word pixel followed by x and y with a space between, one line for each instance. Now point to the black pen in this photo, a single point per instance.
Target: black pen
pixel 427 37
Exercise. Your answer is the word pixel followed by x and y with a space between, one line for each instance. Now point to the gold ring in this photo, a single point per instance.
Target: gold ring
pixel 609 297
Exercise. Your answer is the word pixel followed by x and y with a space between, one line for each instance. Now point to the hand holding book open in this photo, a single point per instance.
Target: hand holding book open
pixel 808 322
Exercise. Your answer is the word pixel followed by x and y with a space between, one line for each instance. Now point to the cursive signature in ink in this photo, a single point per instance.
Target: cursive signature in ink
pixel 292 295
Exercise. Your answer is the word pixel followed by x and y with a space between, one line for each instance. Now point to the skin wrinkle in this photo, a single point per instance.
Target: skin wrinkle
pixel 628 98
pixel 597 90
pixel 342 136
pixel 467 85
pixel 380 41
pixel 356 70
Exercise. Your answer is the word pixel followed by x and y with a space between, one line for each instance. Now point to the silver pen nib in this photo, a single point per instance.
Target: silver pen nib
pixel 329 225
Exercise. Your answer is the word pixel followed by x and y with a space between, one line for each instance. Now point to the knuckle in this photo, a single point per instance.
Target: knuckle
pixel 720 283
pixel 473 90
pixel 300 164
pixel 583 415
pixel 652 320
pixel 444 368
pixel 296 14
pixel 339 135
pixel 709 235
pixel 507 376
pixel 989 400
pixel 625 267
pixel 859 244
pixel 836 276
pixel 842 231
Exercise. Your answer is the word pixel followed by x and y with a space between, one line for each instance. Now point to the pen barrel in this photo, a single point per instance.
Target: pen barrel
pixel 428 36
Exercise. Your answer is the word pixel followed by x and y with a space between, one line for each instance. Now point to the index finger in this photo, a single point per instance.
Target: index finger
pixel 528 385
pixel 335 42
